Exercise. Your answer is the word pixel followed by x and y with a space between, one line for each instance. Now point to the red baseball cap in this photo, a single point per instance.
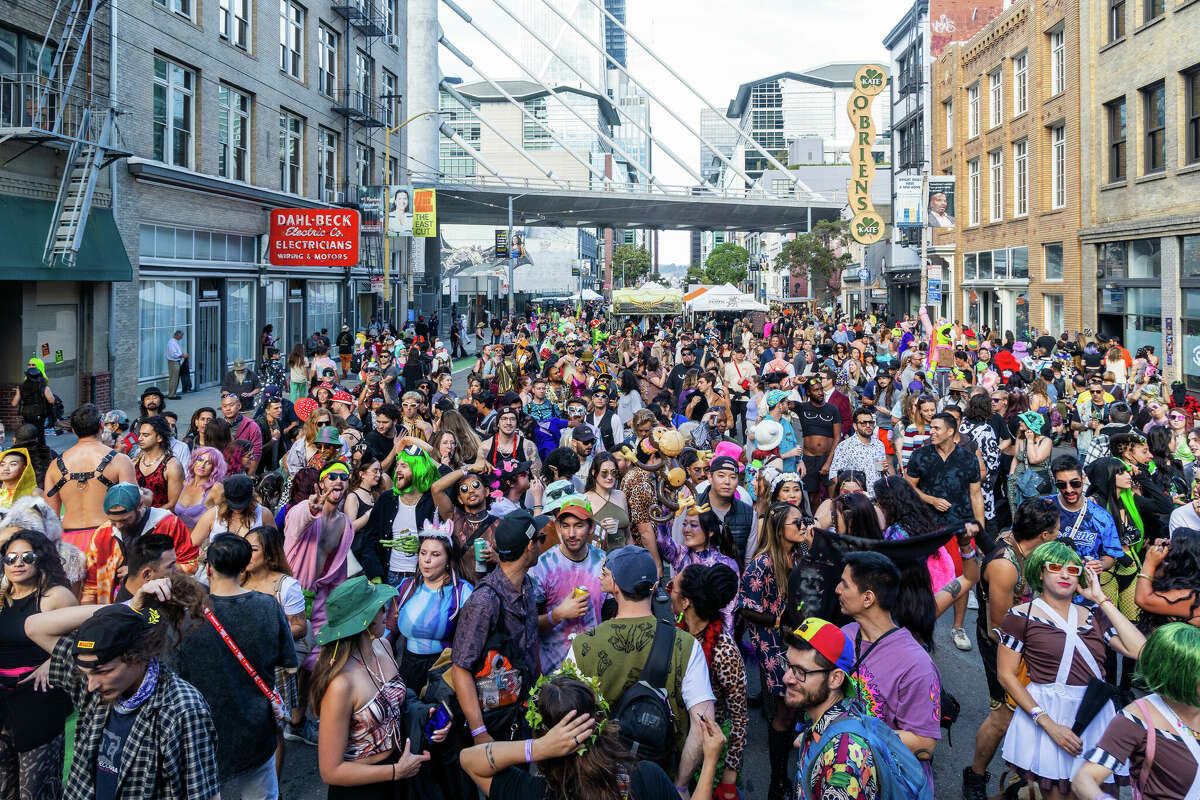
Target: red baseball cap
pixel 575 505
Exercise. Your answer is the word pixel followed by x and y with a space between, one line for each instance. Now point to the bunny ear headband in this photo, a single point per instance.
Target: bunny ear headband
pixel 431 531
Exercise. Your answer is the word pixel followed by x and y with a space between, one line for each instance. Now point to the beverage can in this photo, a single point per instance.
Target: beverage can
pixel 480 545
pixel 579 591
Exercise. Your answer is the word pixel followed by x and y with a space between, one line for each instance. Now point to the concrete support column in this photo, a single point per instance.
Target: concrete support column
pixel 1172 300
pixel 1091 287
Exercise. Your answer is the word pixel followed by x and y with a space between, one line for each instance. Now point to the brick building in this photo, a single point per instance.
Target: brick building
pixel 1005 110
pixel 1140 66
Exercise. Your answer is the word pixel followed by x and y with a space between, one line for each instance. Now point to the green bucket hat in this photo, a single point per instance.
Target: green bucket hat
pixel 351 607
pixel 1033 420
pixel 327 434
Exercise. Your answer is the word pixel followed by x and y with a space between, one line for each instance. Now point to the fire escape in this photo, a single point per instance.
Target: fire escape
pixel 56 111
pixel 365 114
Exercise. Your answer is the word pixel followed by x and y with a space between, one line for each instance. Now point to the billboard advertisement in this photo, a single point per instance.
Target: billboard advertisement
pixel 398 209
pixel 909 201
pixel 958 20
pixel 940 205
pixel 311 237
pixel 423 221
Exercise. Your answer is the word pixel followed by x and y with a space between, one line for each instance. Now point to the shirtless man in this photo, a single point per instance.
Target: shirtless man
pixel 77 480
pixel 317 538
pixel 410 407
pixel 821 427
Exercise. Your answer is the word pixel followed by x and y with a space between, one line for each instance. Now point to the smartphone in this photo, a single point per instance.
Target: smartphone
pixel 440 719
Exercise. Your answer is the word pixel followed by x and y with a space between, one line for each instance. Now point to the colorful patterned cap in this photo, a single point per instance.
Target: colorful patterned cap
pixel 828 640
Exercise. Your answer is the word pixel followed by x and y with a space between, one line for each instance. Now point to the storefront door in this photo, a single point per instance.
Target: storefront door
pixel 295 322
pixel 206 370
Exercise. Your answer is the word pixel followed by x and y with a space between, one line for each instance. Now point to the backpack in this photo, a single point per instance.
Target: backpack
pixel 643 713
pixel 898 772
pixel 33 404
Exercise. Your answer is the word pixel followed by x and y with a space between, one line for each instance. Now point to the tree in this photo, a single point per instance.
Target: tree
pixel 814 253
pixel 695 274
pixel 726 264
pixel 632 262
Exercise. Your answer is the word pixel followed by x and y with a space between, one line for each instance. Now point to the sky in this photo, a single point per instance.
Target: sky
pixel 715 45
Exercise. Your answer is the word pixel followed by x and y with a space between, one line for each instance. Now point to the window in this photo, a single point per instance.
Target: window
pixel 164 306
pixel 181 7
pixel 781 187
pixel 239 321
pixel 291 152
pixel 233 133
pixel 275 295
pixel 996 176
pixel 1058 166
pixel 364 77
pixel 1021 178
pixel 948 107
pixel 174 118
pixel 1054 313
pixel 390 98
pixel 996 86
pixel 973 191
pixel 1052 258
pixel 390 16
pixel 970 270
pixel 973 110
pixel 365 164
pixel 323 305
pixel 1192 109
pixel 291 38
pixel 1116 20
pixel 1058 61
pixel 1116 140
pixel 1154 115
pixel 327 160
pixel 1152 9
pixel 1018 258
pixel 1021 83
pixel 235 22
pixel 327 60
pixel 393 169
pixel 533 137
pixel 189 244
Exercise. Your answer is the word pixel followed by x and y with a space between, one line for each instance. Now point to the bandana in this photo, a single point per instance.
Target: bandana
pixel 336 466
pixel 149 681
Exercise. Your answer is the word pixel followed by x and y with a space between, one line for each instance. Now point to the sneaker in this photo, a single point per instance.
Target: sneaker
pixel 972 602
pixel 974 784
pixel 960 639
pixel 306 733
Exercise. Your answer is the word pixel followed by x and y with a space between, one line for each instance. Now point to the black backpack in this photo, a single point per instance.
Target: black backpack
pixel 643 713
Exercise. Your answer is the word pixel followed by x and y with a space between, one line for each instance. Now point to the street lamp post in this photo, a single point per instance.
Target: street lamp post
pixel 387 252
pixel 512 259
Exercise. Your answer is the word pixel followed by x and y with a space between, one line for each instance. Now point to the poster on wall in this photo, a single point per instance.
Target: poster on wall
pixel 958 20
pixel 941 202
pixel 424 213
pixel 909 203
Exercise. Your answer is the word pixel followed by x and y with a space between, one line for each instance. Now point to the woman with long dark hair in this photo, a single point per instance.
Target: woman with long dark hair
pixel 298 366
pixel 367 481
pixel 610 509
pixel 1168 584
pixel 698 596
pixel 705 541
pixel 429 603
pixel 578 752
pixel 31 733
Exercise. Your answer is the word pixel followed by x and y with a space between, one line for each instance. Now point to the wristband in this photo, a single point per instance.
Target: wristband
pixel 1036 712
pixel 529 751
pixel 968 553
pixel 1102 602
pixel 477 731
pixel 1144 575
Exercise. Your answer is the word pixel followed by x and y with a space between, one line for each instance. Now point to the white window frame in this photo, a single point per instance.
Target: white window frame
pixel 391 87
pixel 1058 61
pixel 174 92
pixel 996 180
pixel 973 111
pixel 973 191
pixel 239 321
pixel 1021 83
pixel 230 118
pixel 1058 166
pixel 1021 178
pixel 291 38
pixel 235 17
pixel 364 164
pixel 1046 278
pixel 291 141
pixel 996 97
pixel 183 8
pixel 327 164
pixel 948 107
pixel 1049 312
pixel 328 44
pixel 171 308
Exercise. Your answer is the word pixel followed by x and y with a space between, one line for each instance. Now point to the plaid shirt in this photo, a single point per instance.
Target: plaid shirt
pixel 171 752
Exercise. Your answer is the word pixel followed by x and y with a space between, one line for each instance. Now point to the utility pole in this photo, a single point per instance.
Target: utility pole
pixel 512 258
pixel 923 300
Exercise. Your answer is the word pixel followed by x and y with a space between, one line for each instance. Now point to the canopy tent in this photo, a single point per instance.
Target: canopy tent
pixel 725 297
pixel 649 299
pixel 587 295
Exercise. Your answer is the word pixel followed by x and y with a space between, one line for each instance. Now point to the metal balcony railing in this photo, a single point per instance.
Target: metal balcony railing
pixel 364 15
pixel 361 107
pixel 34 106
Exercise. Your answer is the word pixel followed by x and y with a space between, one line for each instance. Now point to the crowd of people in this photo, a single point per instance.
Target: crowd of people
pixel 594 570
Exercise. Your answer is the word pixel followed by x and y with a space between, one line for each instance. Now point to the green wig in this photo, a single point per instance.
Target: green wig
pixel 1170 663
pixel 424 471
pixel 1056 552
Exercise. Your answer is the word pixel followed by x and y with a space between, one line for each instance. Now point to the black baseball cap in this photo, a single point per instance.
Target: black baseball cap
pixel 515 531
pixel 108 634
pixel 239 491
pixel 583 434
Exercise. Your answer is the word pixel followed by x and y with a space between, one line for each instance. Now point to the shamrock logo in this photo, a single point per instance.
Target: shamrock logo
pixel 871 78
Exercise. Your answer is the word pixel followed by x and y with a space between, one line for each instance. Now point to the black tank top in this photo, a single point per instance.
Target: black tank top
pixel 35 718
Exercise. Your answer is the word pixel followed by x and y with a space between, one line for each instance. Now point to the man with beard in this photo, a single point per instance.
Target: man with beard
pixel 242 427
pixel 461 496
pixel 317 538
pixel 129 518
pixel 821 430
pixel 817 681
pixel 1091 529
pixel 687 362
pixel 574 564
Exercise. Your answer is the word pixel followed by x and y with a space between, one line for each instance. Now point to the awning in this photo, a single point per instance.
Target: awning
pixel 24 224
pixel 647 300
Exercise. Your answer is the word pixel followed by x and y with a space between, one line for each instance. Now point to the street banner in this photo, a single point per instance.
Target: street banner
pixel 909 202
pixel 314 237
pixel 424 217
pixel 501 243
pixel 941 202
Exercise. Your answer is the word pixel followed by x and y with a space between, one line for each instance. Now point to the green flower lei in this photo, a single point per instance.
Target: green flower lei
pixel 534 717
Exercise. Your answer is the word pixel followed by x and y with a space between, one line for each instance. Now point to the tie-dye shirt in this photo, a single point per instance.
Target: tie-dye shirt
pixel 554 577
pixel 424 619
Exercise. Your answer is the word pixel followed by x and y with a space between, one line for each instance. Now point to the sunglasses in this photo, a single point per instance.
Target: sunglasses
pixel 607 473
pixel 1178 417
pixel 463 488
pixel 1076 483
pixel 12 559
pixel 1071 570
pixel 337 476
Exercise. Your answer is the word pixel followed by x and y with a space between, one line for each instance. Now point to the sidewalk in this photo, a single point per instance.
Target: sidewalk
pixel 211 397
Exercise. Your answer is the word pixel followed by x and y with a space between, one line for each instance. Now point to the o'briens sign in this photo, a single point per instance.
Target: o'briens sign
pixel 867 226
